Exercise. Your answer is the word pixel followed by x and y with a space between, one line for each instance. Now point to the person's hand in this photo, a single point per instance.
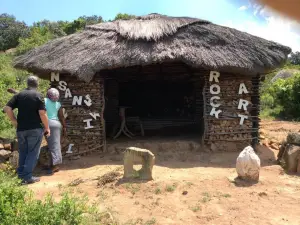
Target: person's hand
pixel 47 132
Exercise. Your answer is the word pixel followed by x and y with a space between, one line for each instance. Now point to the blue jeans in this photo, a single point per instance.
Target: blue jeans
pixel 29 150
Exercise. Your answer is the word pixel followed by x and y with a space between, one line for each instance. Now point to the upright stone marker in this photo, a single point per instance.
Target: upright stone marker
pixel 146 158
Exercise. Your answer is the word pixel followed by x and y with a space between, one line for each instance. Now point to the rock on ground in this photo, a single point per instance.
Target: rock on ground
pixel 248 165
pixel 147 159
pixel 14 159
pixel 293 138
pixel 4 155
pixel 290 157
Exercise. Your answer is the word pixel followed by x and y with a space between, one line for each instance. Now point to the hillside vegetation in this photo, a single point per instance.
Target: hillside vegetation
pixel 281 98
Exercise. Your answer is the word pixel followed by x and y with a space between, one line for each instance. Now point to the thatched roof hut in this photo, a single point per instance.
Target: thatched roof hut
pixel 153 39
pixel 175 75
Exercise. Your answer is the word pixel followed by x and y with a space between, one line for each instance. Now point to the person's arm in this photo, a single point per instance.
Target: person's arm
pixel 43 115
pixel 62 121
pixel 8 109
pixel 10 113
pixel 44 118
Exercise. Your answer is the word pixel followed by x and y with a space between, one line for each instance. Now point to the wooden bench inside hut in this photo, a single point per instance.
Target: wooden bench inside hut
pixel 162 99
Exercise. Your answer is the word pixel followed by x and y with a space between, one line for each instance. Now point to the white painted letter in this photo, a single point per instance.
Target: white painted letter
pixel 243 103
pixel 68 93
pixel 88 100
pixel 243 89
pixel 214 75
pixel 88 124
pixel 216 105
pixel 77 100
pixel 215 92
pixel 95 115
pixel 54 77
pixel 62 85
pixel 215 113
pixel 243 117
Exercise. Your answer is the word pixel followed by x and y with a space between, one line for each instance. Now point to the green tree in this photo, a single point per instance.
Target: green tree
pixel 37 37
pixel 55 28
pixel 10 31
pixel 81 23
pixel 124 16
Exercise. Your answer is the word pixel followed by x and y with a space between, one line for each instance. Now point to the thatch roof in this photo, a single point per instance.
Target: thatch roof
pixel 153 39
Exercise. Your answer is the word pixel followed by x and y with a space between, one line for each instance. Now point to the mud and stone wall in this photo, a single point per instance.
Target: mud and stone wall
pixel 231 110
pixel 83 105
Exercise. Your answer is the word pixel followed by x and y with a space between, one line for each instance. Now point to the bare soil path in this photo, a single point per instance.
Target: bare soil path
pixel 199 189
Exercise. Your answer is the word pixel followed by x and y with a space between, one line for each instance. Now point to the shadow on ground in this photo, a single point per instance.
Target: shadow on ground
pixel 172 159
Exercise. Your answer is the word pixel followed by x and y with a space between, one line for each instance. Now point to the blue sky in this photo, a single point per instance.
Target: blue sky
pixel 239 14
pixel 34 10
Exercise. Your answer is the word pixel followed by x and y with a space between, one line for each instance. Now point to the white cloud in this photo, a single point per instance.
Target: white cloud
pixel 243 8
pixel 274 27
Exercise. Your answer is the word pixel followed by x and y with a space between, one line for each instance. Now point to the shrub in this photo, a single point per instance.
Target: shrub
pixel 17 206
pixel 281 98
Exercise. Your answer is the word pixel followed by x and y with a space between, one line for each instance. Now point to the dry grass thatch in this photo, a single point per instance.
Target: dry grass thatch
pixel 153 39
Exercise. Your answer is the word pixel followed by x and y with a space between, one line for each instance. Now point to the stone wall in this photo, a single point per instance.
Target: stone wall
pixel 231 108
pixel 84 105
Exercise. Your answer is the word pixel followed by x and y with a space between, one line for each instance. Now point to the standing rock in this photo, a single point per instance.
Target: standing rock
pixel 293 138
pixel 1 146
pixel 4 155
pixel 290 157
pixel 14 159
pixel 248 165
pixel 146 157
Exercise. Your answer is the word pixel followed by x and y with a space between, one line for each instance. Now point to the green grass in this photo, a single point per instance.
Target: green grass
pixel 171 188
pixel 195 208
pixel 157 191
pixel 226 195
pixel 150 222
pixel 18 206
pixel 133 188
pixel 206 197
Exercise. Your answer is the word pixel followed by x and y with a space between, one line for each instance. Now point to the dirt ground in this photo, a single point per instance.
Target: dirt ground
pixel 198 188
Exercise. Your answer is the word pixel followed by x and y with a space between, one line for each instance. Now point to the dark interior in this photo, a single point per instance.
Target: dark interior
pixel 158 99
pixel 167 98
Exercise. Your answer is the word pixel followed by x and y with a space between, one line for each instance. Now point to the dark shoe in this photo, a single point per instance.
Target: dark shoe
pixel 53 170
pixel 31 180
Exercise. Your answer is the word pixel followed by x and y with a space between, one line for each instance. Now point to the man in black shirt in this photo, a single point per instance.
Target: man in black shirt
pixel 31 119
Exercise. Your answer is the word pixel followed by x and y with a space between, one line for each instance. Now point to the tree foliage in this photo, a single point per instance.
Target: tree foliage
pixel 37 37
pixel 81 23
pixel 124 16
pixel 10 31
pixel 282 97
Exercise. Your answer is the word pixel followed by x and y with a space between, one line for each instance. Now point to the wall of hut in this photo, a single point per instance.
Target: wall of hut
pixel 231 109
pixel 83 105
pixel 226 106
